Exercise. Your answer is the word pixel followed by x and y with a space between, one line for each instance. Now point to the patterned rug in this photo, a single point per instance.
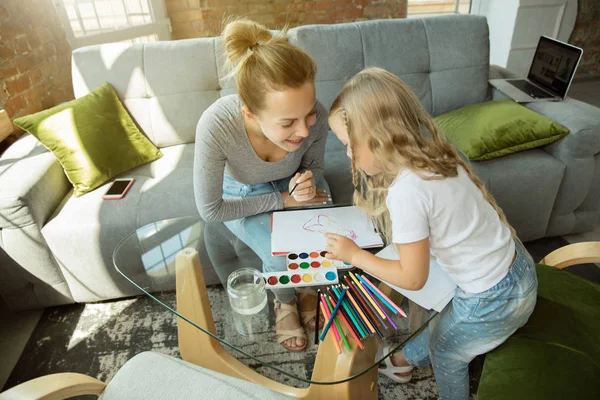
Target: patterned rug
pixel 97 339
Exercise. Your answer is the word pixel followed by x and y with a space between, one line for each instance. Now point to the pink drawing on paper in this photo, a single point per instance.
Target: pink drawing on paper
pixel 323 224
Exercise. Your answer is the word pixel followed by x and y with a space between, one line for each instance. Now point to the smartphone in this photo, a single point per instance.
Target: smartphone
pixel 118 189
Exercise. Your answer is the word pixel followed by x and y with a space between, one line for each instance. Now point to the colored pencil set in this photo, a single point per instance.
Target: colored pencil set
pixel 359 306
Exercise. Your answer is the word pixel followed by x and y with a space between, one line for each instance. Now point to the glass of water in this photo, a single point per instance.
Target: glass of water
pixel 248 300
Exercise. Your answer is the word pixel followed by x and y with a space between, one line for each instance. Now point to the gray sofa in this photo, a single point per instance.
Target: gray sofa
pixel 57 249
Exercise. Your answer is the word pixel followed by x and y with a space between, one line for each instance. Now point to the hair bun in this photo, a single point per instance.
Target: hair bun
pixel 243 35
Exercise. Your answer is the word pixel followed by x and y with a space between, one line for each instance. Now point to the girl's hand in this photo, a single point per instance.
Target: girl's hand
pixel 306 189
pixel 341 248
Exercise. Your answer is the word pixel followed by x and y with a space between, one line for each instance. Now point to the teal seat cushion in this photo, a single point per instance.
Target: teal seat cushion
pixel 556 355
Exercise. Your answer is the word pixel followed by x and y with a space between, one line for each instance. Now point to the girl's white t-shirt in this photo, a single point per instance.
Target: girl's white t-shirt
pixel 465 233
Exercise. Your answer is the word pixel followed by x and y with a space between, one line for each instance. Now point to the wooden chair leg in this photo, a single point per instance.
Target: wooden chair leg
pixel 199 348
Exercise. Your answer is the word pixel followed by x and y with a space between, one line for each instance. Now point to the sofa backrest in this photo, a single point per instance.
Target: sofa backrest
pixel 445 60
pixel 166 86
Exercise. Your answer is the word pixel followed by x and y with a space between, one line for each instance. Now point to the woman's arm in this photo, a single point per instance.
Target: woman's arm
pixel 411 272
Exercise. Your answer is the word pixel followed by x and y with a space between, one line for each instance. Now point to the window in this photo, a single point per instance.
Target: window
pixel 90 22
pixel 424 8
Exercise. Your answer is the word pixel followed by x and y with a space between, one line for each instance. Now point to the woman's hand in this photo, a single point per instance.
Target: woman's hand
pixel 321 197
pixel 305 187
pixel 341 248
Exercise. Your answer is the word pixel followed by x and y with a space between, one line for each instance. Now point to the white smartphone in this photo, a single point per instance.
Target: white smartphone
pixel 118 189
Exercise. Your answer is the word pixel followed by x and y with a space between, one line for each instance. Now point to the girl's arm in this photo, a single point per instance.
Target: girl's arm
pixel 409 273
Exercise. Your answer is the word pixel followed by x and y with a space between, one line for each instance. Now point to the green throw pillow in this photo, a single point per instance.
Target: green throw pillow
pixel 497 128
pixel 94 138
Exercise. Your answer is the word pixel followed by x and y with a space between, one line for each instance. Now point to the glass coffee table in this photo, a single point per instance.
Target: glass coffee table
pixel 183 254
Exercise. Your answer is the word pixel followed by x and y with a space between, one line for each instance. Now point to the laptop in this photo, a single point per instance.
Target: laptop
pixel 550 74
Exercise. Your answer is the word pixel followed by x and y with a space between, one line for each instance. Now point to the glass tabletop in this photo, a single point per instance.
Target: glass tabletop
pixel 148 259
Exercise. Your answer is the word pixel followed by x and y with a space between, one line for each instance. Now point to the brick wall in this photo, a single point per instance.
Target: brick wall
pixel 586 35
pixel 35 59
pixel 203 18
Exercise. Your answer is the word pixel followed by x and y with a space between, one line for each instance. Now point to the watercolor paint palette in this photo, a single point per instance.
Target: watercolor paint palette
pixel 301 278
pixel 307 260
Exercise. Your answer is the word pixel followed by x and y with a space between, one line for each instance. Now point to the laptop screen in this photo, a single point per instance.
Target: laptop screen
pixel 553 65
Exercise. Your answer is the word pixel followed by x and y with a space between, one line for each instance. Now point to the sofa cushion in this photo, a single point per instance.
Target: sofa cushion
pixel 496 128
pixel 166 86
pixel 93 138
pixel 555 355
pixel 151 375
pixel 445 60
pixel 84 231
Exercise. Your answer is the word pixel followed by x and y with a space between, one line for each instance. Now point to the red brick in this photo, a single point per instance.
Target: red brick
pixel 8 72
pixel 177 5
pixel 26 62
pixel 189 15
pixel 4 12
pixel 193 4
pixel 48 50
pixel 34 40
pixel 13 105
pixel 6 51
pixel 36 76
pixel 21 45
pixel 44 34
pixel 19 85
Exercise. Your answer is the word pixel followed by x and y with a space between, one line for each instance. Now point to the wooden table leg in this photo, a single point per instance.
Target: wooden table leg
pixel 199 348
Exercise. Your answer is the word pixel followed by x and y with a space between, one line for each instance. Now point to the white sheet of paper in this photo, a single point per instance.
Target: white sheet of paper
pixel 303 230
pixel 438 290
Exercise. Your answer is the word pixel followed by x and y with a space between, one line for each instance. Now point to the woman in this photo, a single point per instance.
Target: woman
pixel 253 148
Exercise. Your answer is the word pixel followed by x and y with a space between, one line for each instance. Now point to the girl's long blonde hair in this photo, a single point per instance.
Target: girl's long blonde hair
pixel 262 61
pixel 379 109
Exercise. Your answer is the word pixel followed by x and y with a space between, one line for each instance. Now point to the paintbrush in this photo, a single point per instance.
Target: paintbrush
pixel 296 185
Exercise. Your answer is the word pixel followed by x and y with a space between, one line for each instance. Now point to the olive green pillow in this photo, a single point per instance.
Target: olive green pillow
pixel 497 128
pixel 94 138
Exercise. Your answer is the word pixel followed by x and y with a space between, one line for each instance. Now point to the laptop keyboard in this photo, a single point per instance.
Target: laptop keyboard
pixel 530 89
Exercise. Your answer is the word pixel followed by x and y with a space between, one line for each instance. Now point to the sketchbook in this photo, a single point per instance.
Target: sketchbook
pixel 438 290
pixel 303 230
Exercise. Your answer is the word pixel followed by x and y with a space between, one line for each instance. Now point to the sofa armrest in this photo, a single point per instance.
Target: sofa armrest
pixel 56 386
pixel 33 184
pixel 498 72
pixel 583 122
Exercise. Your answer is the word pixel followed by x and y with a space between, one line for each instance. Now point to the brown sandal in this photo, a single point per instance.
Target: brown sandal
pixel 282 310
pixel 308 303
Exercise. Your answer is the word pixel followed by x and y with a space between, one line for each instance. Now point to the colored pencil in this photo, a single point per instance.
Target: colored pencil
pixel 367 316
pixel 337 346
pixel 337 324
pixel 346 315
pixel 376 294
pixel 329 318
pixel 359 328
pixel 360 312
pixel 394 305
pixel 365 331
pixel 382 308
pixel 349 326
pixel 328 325
pixel 362 289
pixel 368 305
pixel 362 301
pixel 317 317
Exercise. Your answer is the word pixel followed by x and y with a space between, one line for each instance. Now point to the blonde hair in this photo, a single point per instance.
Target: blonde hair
pixel 263 62
pixel 378 108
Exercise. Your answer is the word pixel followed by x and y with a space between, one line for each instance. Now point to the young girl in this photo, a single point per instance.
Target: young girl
pixel 253 148
pixel 425 199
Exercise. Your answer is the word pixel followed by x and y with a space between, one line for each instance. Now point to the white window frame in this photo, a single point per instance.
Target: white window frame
pixel 161 27
pixel 455 11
